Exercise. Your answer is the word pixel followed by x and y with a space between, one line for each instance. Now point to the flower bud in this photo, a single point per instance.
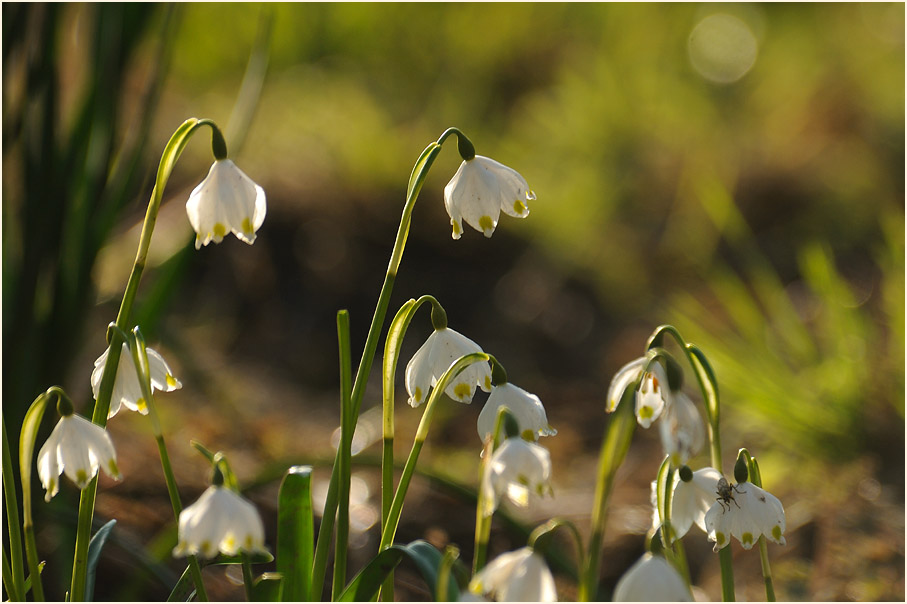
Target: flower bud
pixel 741 473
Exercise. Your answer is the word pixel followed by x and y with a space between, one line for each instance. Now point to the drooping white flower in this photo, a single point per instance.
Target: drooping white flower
pixel 751 512
pixel 652 579
pixel 653 394
pixel 681 428
pixel 126 388
pixel 78 447
pixel 689 501
pixel 480 190
pixel 441 349
pixel 526 408
pixel 220 521
pixel 516 469
pixel 517 576
pixel 227 200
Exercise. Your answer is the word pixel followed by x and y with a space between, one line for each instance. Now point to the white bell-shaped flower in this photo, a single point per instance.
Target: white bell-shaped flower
pixel 526 408
pixel 516 469
pixel 480 190
pixel 652 579
pixel 625 376
pixel 748 513
pixel 517 576
pixel 681 429
pixel 127 389
pixel 78 447
pixel 227 200
pixel 689 501
pixel 653 395
pixel 220 521
pixel 441 349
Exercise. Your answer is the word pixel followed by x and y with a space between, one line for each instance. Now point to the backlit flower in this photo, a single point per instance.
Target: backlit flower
pixel 525 407
pixel 220 521
pixel 480 190
pixel 516 469
pixel 651 397
pixel 78 447
pixel 749 512
pixel 441 349
pixel 518 576
pixel 227 200
pixel 126 388
pixel 681 428
pixel 690 501
pixel 652 579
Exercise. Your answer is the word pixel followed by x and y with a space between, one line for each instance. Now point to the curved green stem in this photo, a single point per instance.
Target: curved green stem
pixel 554 524
pixel 416 179
pixel 169 157
pixel 387 537
pixel 614 449
pixel 451 553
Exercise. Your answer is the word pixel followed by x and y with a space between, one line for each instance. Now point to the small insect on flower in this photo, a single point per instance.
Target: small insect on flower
pixel 726 493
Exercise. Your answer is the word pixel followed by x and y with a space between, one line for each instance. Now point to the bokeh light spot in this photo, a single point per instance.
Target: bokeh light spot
pixel 722 48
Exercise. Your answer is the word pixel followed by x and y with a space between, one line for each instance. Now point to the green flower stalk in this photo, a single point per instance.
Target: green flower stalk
pixel 171 154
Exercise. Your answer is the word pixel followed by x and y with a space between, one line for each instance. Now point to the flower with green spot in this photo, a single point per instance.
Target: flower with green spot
pixel 226 201
pixel 442 348
pixel 651 579
pixel 78 447
pixel 517 469
pixel 690 501
pixel 750 513
pixel 652 395
pixel 517 576
pixel 221 521
pixel 480 190
pixel 127 390
pixel 526 408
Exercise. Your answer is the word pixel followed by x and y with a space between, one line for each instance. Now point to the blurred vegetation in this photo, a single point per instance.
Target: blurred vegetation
pixel 763 216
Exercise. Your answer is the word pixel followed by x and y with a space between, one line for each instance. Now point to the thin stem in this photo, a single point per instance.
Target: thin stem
pixel 15 578
pixel 483 521
pixel 31 551
pixel 169 157
pixel 554 524
pixel 248 578
pixel 347 428
pixel 387 538
pixel 766 570
pixel 420 171
pixel 451 553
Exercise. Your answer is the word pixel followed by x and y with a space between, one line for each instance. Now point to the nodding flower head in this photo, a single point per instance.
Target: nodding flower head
pixel 78 447
pixel 746 512
pixel 221 521
pixel 517 576
pixel 226 201
pixel 441 349
pixel 480 190
pixel 127 391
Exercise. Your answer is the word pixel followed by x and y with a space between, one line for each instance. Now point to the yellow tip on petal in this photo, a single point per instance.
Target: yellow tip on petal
pixel 247 226
pixel 418 395
pixel 519 207
pixel 220 230
pixel 487 225
pixel 487 382
pixel 747 539
pixel 113 469
pixel 776 532
pixel 81 478
pixel 171 381
pixel 646 412
pixel 142 406
pixel 461 391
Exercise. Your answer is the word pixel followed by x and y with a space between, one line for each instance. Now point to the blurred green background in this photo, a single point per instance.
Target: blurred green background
pixel 736 170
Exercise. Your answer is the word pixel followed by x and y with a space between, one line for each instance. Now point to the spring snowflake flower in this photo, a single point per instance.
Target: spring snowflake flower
pixel 518 576
pixel 653 394
pixel 480 190
pixel 526 408
pixel 651 579
pixel 516 469
pixel 78 447
pixel 126 389
pixel 220 521
pixel 227 200
pixel 690 501
pixel 748 514
pixel 441 349
pixel 681 429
